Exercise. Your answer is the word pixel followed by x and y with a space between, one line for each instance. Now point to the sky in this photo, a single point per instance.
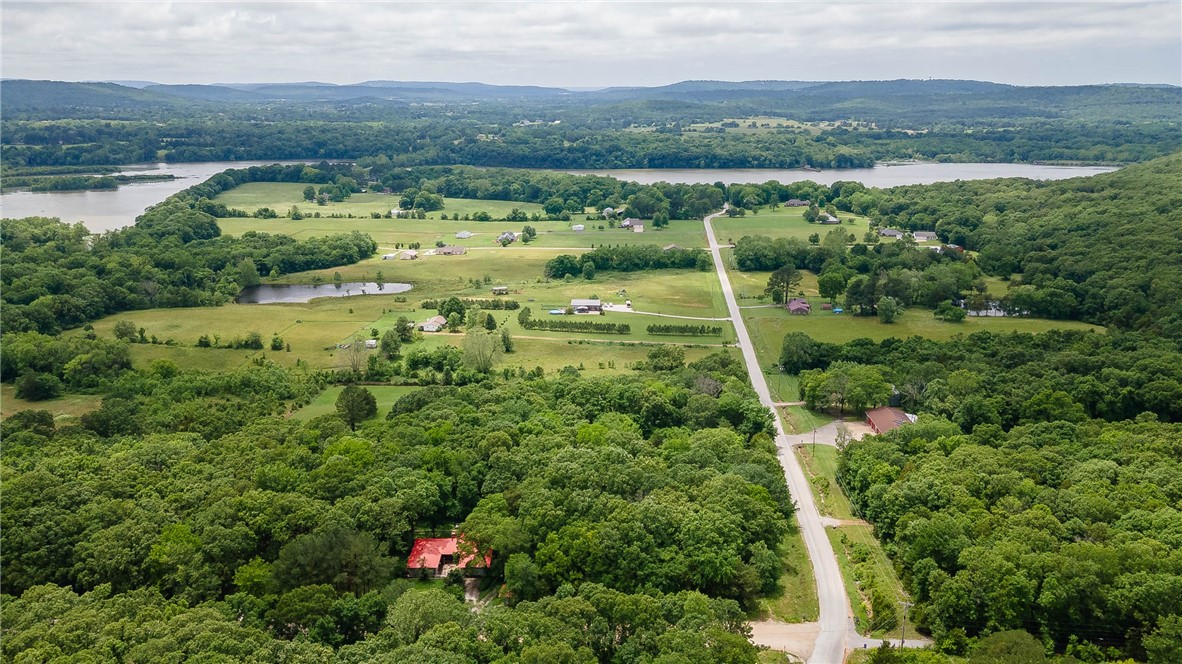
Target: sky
pixel 593 44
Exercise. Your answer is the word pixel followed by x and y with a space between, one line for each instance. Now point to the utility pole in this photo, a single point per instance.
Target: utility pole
pixel 903 636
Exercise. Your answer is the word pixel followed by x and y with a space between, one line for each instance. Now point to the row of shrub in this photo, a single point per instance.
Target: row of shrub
pixel 495 304
pixel 552 325
pixel 686 330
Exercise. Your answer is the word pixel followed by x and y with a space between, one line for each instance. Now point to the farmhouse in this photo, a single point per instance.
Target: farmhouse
pixel 409 255
pixel 923 236
pixel 500 290
pixel 586 306
pixel 882 420
pixel 450 250
pixel 828 219
pixel 890 232
pixel 798 306
pixel 433 324
pixel 439 555
pixel 463 235
pixel 796 202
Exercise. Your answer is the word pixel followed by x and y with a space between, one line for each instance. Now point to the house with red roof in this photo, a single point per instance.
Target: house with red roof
pixel 436 556
pixel 885 418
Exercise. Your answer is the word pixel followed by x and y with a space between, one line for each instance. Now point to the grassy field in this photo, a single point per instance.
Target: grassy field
pixel 798 419
pixel 785 222
pixel 325 403
pixel 71 405
pixel 820 462
pixel 796 600
pixel 388 232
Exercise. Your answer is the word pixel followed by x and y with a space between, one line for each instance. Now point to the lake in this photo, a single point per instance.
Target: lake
pixel 882 175
pixel 299 293
pixel 108 210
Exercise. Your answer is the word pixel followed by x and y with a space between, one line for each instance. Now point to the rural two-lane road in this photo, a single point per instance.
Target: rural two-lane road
pixel 835 622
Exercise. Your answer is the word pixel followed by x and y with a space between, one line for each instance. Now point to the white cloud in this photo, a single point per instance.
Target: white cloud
pixel 586 44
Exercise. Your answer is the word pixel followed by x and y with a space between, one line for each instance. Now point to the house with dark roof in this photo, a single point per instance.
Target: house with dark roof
pixel 436 556
pixel 799 306
pixel 890 232
pixel 508 237
pixel 923 236
pixel 796 202
pixel 586 306
pixel 885 418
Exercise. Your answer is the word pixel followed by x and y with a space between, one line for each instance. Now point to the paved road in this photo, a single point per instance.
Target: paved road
pixel 835 621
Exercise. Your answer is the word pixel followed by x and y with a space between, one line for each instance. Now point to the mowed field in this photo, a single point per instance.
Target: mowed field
pixel 784 222
pixel 326 402
pixel 390 232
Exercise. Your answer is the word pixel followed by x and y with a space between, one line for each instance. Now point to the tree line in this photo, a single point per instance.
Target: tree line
pixel 525 319
pixel 686 330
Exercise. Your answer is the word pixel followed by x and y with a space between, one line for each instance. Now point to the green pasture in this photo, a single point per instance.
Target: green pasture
pixel 326 402
pixel 389 232
pixel 786 222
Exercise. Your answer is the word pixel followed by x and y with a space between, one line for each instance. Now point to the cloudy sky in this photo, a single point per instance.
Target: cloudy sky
pixel 588 44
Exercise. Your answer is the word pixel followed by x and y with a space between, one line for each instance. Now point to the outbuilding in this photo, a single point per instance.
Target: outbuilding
pixel 798 306
pixel 500 290
pixel 409 255
pixel 450 250
pixel 886 418
pixel 436 556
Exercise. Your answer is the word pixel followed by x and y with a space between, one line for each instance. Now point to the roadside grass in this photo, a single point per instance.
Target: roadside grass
pixel 798 419
pixel 857 543
pixel 796 599
pixel 820 462
pixel 325 402
pixel 68 406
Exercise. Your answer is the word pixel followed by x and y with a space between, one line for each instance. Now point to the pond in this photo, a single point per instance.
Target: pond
pixel 298 293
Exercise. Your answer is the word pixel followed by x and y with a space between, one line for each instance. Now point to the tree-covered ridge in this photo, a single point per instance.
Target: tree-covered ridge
pixel 1068 530
pixel 617 499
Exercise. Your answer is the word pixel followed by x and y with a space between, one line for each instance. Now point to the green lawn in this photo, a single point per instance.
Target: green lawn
pixel 820 463
pixel 796 599
pixel 325 403
pixel 69 406
pixel 798 419
pixel 785 222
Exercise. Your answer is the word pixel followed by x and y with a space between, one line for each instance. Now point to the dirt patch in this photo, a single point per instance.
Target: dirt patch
pixel 794 638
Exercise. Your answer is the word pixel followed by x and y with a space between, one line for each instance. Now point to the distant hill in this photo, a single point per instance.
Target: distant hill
pixel 206 92
pixel 17 95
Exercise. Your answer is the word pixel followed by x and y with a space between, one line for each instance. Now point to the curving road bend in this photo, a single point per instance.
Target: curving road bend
pixel 835 622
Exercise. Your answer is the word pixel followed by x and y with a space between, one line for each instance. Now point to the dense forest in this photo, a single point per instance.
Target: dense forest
pixel 628 517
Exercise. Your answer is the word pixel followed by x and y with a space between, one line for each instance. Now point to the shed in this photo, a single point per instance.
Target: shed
pixel 500 290
pixel 882 420
pixel 389 257
pixel 637 228
pixel 463 235
pixel 578 228
pixel 371 343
